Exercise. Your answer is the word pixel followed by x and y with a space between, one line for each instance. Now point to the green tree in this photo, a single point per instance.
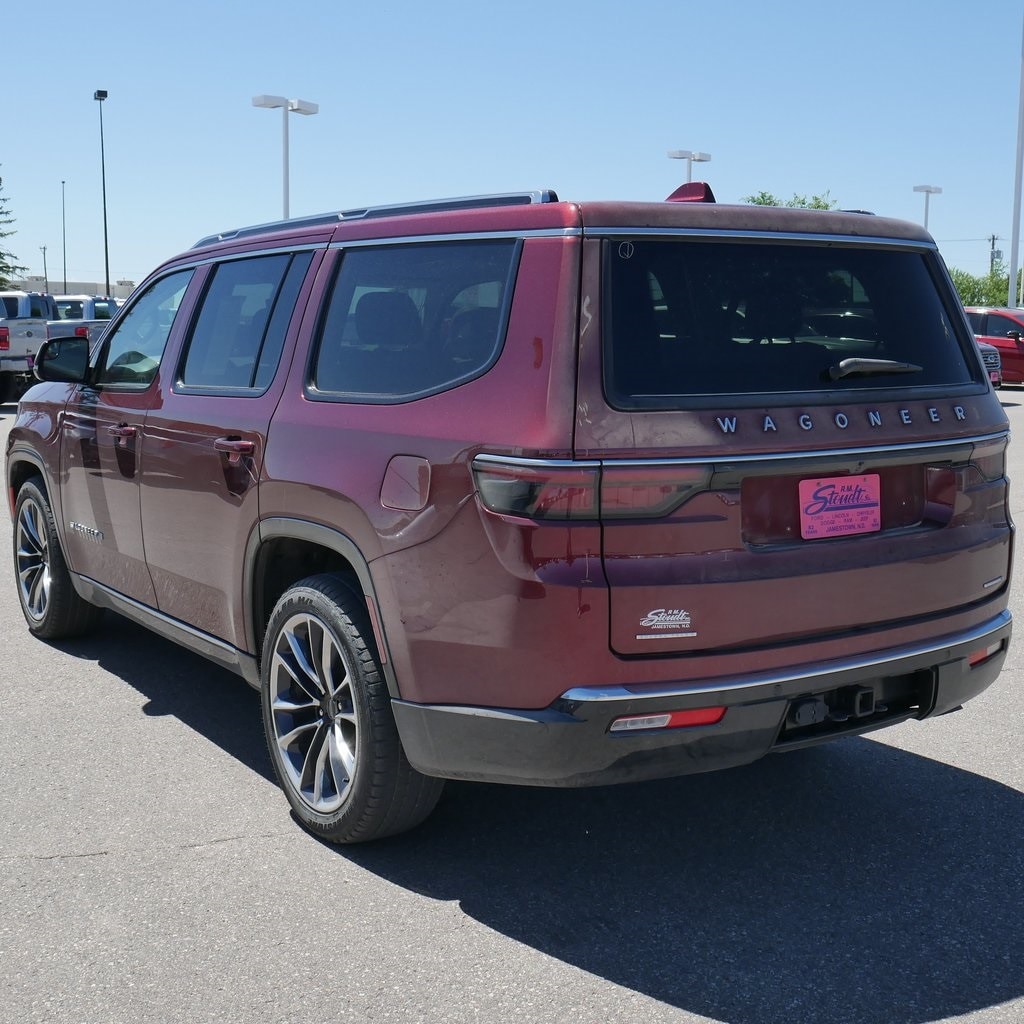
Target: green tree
pixel 822 202
pixel 8 268
pixel 990 289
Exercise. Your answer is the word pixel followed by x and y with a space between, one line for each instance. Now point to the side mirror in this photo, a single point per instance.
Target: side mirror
pixel 65 360
pixel 1014 335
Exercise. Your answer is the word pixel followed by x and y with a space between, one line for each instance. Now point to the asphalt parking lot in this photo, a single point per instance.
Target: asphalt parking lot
pixel 151 872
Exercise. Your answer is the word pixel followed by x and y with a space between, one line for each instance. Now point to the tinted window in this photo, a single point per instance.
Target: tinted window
pixel 132 353
pixel 691 318
pixel 1000 326
pixel 977 322
pixel 104 309
pixel 69 309
pixel 9 306
pixel 407 321
pixel 238 335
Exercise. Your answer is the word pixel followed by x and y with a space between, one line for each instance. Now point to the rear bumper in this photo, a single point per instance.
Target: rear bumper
pixel 569 744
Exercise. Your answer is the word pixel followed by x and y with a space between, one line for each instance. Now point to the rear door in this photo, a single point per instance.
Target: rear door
pixel 795 442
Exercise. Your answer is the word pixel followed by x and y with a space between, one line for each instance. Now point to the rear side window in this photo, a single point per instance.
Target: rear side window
pixel 686 318
pixel 239 333
pixel 405 321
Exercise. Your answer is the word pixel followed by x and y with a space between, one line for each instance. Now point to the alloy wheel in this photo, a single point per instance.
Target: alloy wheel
pixel 313 713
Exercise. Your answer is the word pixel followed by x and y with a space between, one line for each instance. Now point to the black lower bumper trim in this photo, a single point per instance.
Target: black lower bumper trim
pixel 569 744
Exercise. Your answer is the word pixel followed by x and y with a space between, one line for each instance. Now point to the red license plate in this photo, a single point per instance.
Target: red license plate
pixel 838 506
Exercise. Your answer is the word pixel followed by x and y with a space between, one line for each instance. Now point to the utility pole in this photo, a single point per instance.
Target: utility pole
pixel 994 253
pixel 46 276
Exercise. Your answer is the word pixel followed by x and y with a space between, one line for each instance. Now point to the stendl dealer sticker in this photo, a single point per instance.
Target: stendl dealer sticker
pixel 839 506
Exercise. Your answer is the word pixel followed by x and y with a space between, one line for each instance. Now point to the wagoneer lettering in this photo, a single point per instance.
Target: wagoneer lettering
pixel 517 490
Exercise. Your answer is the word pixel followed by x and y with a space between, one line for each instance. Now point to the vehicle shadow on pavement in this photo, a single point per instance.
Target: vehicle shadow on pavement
pixel 849 883
pixel 211 700
pixel 854 883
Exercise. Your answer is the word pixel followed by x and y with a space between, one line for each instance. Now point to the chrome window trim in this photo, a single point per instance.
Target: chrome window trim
pixel 729 234
pixel 245 254
pixel 601 694
pixel 725 458
pixel 461 236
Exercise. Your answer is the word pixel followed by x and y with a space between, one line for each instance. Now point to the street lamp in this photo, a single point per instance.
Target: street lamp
pixel 690 157
pixel 64 237
pixel 286 105
pixel 929 191
pixel 101 95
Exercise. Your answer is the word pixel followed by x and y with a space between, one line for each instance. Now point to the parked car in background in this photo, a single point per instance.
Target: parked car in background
pixel 993 362
pixel 517 490
pixel 1004 328
pixel 23 328
pixel 85 307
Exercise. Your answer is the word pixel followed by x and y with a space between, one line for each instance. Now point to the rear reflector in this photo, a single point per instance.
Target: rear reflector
pixel 668 720
pixel 976 658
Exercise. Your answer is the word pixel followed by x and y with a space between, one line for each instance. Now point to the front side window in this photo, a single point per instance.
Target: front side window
pixel 1000 326
pixel 405 321
pixel 691 318
pixel 132 353
pixel 239 333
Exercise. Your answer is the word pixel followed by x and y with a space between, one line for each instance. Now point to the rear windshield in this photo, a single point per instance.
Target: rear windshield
pixel 687 318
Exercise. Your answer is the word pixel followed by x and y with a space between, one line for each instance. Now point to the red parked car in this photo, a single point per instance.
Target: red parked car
pixel 528 491
pixel 1002 328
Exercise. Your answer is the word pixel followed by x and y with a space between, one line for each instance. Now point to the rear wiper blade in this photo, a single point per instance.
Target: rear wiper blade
pixel 870 367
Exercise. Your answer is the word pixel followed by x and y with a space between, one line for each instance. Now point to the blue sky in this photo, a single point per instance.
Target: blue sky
pixel 457 97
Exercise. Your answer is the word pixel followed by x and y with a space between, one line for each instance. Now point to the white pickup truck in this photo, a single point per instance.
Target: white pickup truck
pixel 24 319
pixel 27 319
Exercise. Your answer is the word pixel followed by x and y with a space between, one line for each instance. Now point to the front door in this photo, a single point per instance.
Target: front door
pixel 102 444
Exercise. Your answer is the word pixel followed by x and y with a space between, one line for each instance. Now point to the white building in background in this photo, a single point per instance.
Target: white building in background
pixel 55 286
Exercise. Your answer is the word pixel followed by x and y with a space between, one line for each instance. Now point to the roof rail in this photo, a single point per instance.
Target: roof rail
pixel 396 210
pixel 459 203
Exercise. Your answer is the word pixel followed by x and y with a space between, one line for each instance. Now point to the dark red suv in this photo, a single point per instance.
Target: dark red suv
pixel 528 491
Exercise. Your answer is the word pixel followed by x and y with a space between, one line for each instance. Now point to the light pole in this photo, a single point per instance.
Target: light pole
pixel 690 157
pixel 929 191
pixel 286 105
pixel 64 237
pixel 101 95
pixel 46 273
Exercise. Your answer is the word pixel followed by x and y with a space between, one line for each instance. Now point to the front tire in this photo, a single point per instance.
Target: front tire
pixel 328 720
pixel 51 605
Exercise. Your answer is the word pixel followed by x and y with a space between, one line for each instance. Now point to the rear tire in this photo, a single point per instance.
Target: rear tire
pixel 51 605
pixel 328 720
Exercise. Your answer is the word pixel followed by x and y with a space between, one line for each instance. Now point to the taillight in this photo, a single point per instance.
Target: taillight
pixel 5 339
pixel 538 490
pixel 648 490
pixel 81 332
pixel 989 459
pixel 563 490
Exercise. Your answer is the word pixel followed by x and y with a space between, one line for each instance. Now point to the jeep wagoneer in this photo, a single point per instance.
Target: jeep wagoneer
pixel 530 491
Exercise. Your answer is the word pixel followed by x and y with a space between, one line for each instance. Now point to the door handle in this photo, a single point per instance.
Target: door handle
pixel 123 433
pixel 234 448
